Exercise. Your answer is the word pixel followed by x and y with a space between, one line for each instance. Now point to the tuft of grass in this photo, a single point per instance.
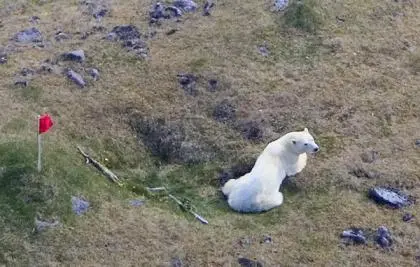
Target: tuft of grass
pixel 302 15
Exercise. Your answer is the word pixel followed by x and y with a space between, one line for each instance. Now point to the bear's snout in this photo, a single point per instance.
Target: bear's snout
pixel 316 149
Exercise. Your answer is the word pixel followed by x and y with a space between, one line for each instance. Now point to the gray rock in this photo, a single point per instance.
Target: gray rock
pixel 213 85
pixel 354 235
pixel 28 35
pixel 77 55
pixel 76 78
pixel 281 4
pixel 27 72
pixel 60 36
pixel 79 205
pixel 125 32
pixel 188 82
pixel 417 143
pixel 23 83
pixel 94 73
pixel 208 5
pixel 383 237
pixel 390 196
pixel 41 225
pixel 185 5
pixel 34 19
pixel 263 49
pixel 244 262
pixel 137 202
pixel 3 58
pixel 176 262
pixel 407 217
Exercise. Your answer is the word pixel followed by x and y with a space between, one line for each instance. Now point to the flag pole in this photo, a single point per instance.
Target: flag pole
pixel 39 145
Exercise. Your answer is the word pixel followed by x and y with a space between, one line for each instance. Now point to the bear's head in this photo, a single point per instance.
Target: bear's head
pixel 303 142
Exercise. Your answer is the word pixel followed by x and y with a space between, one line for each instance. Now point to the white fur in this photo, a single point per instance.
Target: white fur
pixel 258 190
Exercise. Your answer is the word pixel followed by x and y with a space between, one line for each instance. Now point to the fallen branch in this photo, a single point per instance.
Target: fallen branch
pixel 179 202
pixel 100 167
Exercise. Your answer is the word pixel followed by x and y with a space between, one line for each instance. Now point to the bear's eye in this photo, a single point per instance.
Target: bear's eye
pixel 306 144
pixel 294 142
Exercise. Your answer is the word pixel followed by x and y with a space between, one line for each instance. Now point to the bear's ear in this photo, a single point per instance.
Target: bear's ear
pixel 306 130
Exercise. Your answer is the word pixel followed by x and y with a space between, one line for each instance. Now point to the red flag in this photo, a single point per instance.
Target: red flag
pixel 45 123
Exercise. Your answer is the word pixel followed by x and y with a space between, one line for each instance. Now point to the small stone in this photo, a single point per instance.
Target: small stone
pixel 34 19
pixel 263 49
pixel 59 36
pixel 76 77
pixel 281 5
pixel 185 5
pixel 355 235
pixel 176 262
pixel 137 202
pixel 22 83
pixel 383 237
pixel 208 5
pixel 3 58
pixel 267 239
pixel 213 85
pixel 244 262
pixel 41 225
pixel 417 143
pixel 28 35
pixel 172 31
pixel 370 156
pixel 79 205
pixel 94 73
pixel 407 217
pixel 100 14
pixel 27 72
pixel 188 83
pixel 77 55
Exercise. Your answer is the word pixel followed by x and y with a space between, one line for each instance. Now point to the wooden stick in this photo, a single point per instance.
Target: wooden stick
pixel 100 167
pixel 198 217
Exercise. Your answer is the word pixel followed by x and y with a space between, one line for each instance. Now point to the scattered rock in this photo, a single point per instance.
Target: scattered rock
pixel 244 262
pixel 281 5
pixel 27 72
pixel 224 112
pixel 34 19
pixel 3 58
pixel 176 262
pixel 208 5
pixel 370 156
pixel 360 172
pixel 124 33
pixel 407 217
pixel 76 78
pixel 267 239
pixel 96 8
pixel 137 202
pixel 213 85
pixel 101 13
pixel 390 196
pixel 94 73
pixel 188 82
pixel 23 83
pixel 29 35
pixel 160 11
pixel 417 143
pixel 354 235
pixel 250 130
pixel 60 36
pixel 41 225
pixel 130 37
pixel 245 242
pixel 77 55
pixel 383 237
pixel 172 31
pixel 79 205
pixel 263 49
pixel 185 5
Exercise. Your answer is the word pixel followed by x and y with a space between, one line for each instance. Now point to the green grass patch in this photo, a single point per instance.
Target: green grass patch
pixel 302 15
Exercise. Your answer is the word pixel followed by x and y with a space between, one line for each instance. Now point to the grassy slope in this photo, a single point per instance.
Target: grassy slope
pixel 362 96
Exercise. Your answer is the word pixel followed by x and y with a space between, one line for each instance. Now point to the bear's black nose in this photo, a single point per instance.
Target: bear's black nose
pixel 316 149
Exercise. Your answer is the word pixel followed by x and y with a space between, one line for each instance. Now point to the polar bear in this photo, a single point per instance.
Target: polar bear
pixel 258 190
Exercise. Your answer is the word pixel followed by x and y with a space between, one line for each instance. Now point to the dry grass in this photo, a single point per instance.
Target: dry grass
pixel 354 84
